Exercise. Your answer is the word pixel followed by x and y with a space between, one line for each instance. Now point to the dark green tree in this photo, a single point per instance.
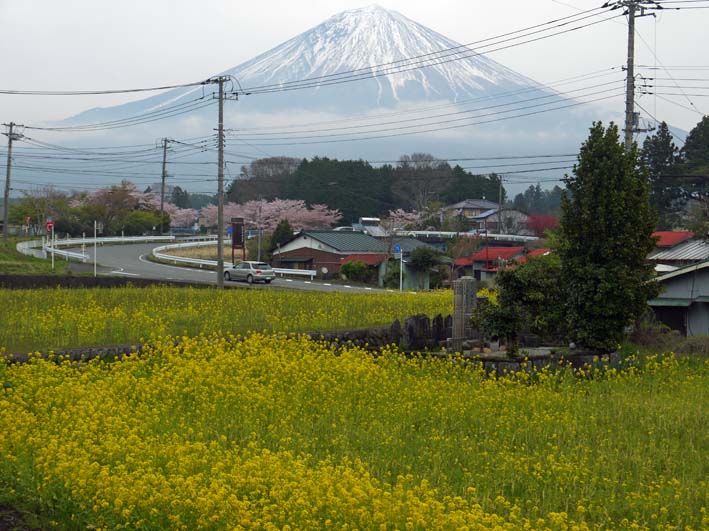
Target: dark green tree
pixel 424 258
pixel 465 185
pixel 353 187
pixel 358 271
pixel 282 233
pixel 695 152
pixel 528 301
pixel 660 156
pixel 604 236
pixel 181 198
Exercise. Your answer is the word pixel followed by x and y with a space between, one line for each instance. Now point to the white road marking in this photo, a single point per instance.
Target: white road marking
pixel 326 284
pixel 125 273
pixel 143 259
pixel 307 282
pixel 288 280
pixel 369 289
pixel 348 286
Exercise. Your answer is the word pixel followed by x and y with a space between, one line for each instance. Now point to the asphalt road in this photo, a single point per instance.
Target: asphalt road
pixel 132 261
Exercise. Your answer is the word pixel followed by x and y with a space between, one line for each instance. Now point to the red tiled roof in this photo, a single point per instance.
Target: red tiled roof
pixel 532 254
pixel 669 238
pixel 462 262
pixel 493 253
pixel 369 259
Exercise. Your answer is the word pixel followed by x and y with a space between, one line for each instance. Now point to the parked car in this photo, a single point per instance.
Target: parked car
pixel 250 272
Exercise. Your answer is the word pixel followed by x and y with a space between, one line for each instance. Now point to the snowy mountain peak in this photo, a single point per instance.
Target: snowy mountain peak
pixel 395 60
pixel 369 37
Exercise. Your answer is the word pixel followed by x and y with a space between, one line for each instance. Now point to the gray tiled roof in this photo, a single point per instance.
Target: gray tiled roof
pixel 357 242
pixel 473 203
pixel 345 241
pixel 693 250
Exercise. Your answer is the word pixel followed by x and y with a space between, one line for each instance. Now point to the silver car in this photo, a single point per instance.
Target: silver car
pixel 250 272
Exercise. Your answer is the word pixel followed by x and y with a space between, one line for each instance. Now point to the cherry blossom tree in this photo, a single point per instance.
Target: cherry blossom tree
pixel 400 219
pixel 267 214
pixel 181 217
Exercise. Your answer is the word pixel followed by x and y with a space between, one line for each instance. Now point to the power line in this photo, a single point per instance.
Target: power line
pixel 444 128
pixel 99 92
pixel 370 71
pixel 308 83
pixel 456 113
pixel 133 121
pixel 500 95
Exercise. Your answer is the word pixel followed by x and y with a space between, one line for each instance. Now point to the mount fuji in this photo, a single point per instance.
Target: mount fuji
pixel 449 77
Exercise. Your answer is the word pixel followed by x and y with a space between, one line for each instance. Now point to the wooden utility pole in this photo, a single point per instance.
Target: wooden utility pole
pixel 220 189
pixel 162 187
pixel 11 136
pixel 499 208
pixel 630 123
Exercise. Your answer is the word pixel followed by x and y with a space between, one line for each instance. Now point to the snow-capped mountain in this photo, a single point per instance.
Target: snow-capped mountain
pixel 428 94
pixel 357 42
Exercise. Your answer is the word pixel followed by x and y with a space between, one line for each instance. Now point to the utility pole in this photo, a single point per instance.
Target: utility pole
pixel 632 6
pixel 220 189
pixel 221 80
pixel 630 77
pixel 258 227
pixel 11 136
pixel 162 187
pixel 499 208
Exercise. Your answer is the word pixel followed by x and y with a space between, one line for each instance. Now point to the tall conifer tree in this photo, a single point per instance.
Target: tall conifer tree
pixel 604 236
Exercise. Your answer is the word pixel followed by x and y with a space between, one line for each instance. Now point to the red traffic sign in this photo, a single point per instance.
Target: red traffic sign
pixel 50 226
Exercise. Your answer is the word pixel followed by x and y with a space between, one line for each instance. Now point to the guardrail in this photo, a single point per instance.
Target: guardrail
pixel 66 254
pixel 201 262
pixel 42 248
pixel 298 272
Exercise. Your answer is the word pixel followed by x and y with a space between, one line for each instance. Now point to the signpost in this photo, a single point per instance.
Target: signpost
pixel 398 254
pixel 95 240
pixel 49 225
pixel 237 237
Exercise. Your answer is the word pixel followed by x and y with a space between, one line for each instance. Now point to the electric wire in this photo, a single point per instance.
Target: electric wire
pixel 444 128
pixel 283 87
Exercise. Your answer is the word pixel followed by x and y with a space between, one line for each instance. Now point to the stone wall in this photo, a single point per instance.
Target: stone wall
pixel 419 334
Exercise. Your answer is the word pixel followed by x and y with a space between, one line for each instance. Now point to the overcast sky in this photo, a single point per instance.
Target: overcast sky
pixel 97 44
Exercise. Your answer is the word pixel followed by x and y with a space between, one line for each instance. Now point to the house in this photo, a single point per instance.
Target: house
pixel 676 249
pixel 325 251
pixel 666 239
pixel 531 254
pixel 513 221
pixel 371 226
pixel 486 262
pixel 684 302
pixel 469 209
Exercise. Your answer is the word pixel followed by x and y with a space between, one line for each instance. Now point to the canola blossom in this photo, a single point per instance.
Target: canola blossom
pixel 47 319
pixel 263 433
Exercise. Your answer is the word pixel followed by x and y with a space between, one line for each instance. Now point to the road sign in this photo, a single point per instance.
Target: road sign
pixel 397 248
pixel 50 226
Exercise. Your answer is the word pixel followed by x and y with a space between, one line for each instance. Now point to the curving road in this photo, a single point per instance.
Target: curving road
pixel 132 261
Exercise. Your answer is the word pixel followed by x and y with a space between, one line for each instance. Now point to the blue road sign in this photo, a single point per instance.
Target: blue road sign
pixel 397 248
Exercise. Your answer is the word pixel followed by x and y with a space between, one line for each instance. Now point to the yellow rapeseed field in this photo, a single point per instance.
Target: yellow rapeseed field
pixel 55 318
pixel 266 433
